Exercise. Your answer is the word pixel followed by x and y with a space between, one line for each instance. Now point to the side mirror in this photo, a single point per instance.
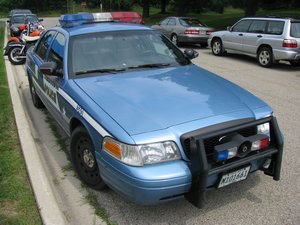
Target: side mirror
pixel 229 28
pixel 41 20
pixel 7 21
pixel 50 68
pixel 191 53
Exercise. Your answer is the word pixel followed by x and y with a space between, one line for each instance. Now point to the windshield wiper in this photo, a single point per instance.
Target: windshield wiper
pixel 153 65
pixel 100 71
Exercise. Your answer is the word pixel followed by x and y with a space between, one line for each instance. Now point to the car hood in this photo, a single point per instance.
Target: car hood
pixel 155 99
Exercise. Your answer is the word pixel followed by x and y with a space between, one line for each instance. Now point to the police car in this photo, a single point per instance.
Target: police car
pixel 142 118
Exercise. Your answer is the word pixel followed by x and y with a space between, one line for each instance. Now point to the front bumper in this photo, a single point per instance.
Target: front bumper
pixel 156 183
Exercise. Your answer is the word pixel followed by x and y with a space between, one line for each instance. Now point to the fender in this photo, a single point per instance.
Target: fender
pixel 13 39
pixel 12 44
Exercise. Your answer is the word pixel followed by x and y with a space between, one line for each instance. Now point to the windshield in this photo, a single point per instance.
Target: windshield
pixel 117 51
pixel 21 19
pixel 187 22
pixel 295 30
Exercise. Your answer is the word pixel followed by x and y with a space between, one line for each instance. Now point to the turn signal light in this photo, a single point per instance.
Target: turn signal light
pixel 113 148
pixel 290 43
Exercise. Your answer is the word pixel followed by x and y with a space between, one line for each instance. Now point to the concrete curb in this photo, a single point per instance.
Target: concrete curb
pixel 47 205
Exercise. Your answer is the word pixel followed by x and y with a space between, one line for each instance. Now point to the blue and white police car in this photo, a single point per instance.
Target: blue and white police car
pixel 142 118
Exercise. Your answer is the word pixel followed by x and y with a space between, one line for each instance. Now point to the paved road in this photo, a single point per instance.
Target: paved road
pixel 258 200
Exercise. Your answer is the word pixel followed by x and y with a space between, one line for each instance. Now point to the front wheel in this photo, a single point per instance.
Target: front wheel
pixel 35 98
pixel 15 56
pixel 84 160
pixel 265 57
pixel 217 47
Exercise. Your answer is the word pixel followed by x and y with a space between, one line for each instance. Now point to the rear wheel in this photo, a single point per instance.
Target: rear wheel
pixel 14 56
pixel 217 47
pixel 265 57
pixel 84 160
pixel 35 98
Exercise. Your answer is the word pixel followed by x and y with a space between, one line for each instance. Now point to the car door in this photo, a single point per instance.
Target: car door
pixel 251 40
pixel 50 48
pixel 234 38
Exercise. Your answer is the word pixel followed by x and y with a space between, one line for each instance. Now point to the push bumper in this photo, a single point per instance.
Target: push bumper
pixel 201 170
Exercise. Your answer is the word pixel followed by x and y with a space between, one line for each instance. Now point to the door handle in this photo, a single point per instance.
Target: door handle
pixel 240 34
pixel 259 36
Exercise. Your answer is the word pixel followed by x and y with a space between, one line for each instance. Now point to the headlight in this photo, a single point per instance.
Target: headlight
pixel 264 129
pixel 138 155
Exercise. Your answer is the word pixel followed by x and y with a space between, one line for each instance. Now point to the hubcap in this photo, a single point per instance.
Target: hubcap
pixel 88 158
pixel 217 47
pixel 15 53
pixel 264 57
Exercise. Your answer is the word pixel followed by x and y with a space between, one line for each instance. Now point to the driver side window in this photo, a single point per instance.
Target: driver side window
pixel 56 51
pixel 242 26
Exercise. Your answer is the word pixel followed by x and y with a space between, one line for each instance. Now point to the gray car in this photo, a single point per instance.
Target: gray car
pixel 184 30
pixel 268 39
pixel 17 19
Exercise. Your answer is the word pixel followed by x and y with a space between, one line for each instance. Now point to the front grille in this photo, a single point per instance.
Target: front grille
pixel 211 142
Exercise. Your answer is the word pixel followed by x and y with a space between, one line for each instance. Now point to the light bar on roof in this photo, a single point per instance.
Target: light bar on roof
pixel 71 20
pixel 99 17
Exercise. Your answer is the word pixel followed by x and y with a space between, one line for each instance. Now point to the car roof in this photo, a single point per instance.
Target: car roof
pixel 20 11
pixel 273 18
pixel 102 27
pixel 23 14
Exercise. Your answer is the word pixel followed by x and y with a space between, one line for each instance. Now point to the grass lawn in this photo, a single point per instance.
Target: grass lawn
pixel 17 203
pixel 221 21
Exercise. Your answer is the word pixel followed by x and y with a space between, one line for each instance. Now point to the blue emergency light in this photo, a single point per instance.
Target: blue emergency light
pixel 71 20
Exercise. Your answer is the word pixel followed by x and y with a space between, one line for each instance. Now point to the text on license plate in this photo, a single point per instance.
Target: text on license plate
pixel 234 176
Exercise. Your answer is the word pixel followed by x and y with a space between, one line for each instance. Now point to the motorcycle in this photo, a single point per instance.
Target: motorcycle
pixel 17 47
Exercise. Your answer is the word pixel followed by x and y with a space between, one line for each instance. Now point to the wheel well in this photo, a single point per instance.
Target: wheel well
pixel 263 46
pixel 75 123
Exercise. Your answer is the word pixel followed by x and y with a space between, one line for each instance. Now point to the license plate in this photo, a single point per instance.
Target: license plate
pixel 234 177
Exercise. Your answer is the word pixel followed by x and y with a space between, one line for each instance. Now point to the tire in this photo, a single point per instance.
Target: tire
pixel 217 47
pixel 265 57
pixel 83 158
pixel 296 64
pixel 13 53
pixel 174 39
pixel 35 98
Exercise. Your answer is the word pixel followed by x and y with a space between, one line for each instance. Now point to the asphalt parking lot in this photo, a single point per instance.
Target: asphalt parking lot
pixel 257 200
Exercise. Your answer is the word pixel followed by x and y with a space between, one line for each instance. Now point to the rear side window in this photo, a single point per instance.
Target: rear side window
pixel 242 26
pixel 275 27
pixel 295 30
pixel 258 26
pixel 172 22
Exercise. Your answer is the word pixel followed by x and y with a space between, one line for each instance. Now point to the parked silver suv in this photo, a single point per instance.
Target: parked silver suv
pixel 269 39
